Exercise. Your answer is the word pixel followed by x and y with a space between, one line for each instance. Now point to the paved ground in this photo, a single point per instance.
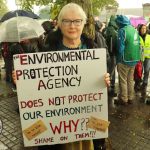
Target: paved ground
pixel 129 128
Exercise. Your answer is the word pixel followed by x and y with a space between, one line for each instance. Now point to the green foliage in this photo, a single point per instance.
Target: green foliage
pixel 97 5
pixel 45 13
pixel 3 7
pixel 28 4
pixel 91 7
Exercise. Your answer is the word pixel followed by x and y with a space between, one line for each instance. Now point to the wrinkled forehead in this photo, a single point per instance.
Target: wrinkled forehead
pixel 71 14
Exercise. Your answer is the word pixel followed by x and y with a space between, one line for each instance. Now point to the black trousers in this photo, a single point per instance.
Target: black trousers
pixel 99 144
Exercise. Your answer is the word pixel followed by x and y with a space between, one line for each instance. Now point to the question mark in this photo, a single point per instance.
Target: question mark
pixel 87 120
pixel 82 123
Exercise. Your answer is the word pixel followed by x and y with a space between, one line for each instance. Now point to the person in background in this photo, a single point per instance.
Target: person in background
pixel 101 43
pixel 68 36
pixel 11 48
pixel 111 40
pixel 48 27
pixel 99 39
pixel 145 43
pixel 8 61
pixel 148 28
pixel 127 57
pixel 54 23
pixel 138 72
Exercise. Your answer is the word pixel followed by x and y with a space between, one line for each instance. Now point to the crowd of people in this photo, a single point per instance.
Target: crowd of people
pixel 131 55
pixel 127 48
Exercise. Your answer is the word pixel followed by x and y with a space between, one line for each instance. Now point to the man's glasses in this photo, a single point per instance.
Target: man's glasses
pixel 67 22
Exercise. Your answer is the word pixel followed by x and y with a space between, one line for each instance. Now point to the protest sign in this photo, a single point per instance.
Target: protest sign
pixel 61 94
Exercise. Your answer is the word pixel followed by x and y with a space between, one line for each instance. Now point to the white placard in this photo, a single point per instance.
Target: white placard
pixel 58 92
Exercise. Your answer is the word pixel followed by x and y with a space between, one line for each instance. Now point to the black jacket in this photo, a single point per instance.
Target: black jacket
pixel 55 38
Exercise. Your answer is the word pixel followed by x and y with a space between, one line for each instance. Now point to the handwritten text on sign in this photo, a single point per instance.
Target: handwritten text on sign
pixel 58 93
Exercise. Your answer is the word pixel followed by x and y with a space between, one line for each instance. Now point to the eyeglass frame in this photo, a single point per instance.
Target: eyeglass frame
pixel 76 22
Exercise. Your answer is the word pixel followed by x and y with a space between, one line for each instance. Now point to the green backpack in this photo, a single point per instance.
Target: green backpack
pixel 132 52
